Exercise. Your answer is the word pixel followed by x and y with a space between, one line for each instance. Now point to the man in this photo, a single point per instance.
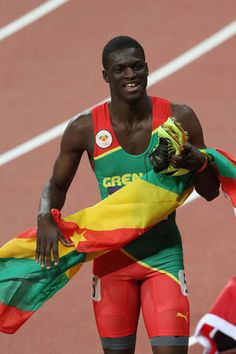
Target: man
pixel 118 136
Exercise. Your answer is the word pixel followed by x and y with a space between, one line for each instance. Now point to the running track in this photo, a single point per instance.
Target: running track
pixel 50 70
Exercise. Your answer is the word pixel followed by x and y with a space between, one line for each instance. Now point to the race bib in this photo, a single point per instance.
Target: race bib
pixel 183 283
pixel 96 288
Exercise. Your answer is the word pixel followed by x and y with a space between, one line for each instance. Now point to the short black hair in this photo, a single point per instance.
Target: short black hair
pixel 119 43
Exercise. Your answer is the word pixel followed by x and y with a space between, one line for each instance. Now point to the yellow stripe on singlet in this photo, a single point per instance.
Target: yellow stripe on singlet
pixel 108 153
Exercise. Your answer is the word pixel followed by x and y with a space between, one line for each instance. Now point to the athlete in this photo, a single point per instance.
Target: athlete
pixel 118 137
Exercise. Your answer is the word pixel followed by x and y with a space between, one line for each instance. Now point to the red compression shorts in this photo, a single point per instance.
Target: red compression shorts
pixel 121 286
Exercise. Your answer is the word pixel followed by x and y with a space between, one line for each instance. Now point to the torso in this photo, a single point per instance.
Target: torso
pixel 115 166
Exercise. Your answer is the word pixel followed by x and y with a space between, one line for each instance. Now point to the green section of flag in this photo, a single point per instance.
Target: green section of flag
pixel 225 167
pixel 25 285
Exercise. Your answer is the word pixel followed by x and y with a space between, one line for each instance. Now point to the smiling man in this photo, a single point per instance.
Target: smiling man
pixel 148 273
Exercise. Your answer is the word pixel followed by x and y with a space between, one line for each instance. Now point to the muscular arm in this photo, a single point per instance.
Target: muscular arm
pixel 76 139
pixel 206 183
pixel 65 167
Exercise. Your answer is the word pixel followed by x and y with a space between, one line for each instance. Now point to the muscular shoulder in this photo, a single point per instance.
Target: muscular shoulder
pixel 184 114
pixel 190 122
pixel 78 136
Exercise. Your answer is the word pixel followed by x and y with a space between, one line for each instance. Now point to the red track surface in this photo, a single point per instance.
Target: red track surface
pixel 49 72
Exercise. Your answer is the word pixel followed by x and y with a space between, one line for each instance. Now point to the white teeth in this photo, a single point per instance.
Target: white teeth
pixel 131 85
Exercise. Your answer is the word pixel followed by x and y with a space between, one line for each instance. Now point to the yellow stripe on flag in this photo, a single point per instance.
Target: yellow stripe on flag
pixel 147 201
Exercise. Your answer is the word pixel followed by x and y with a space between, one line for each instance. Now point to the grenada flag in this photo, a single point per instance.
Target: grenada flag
pixel 108 225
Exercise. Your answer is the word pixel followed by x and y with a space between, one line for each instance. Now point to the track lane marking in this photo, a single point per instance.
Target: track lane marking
pixel 194 53
pixel 30 17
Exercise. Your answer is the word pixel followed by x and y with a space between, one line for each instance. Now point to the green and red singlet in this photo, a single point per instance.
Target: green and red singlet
pixel 161 247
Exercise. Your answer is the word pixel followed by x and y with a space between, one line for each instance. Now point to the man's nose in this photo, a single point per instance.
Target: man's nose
pixel 129 72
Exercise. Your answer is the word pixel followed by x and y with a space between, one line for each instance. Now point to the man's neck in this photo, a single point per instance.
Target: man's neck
pixel 130 112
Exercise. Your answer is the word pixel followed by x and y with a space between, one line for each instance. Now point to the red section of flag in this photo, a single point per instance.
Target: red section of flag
pixel 95 240
pixel 31 233
pixel 108 239
pixel 229 187
pixel 12 318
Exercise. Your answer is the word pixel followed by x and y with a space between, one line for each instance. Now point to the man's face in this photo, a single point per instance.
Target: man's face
pixel 127 74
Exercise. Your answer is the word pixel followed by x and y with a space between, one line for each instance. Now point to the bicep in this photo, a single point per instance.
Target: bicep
pixel 64 169
pixel 67 162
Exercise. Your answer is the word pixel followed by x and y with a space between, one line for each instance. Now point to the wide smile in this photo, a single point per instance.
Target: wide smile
pixel 132 86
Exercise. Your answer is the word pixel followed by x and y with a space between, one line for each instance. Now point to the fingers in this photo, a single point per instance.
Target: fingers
pixel 47 258
pixel 37 252
pixel 39 257
pixel 187 147
pixel 176 161
pixel 190 159
pixel 44 251
pixel 55 253
pixel 47 246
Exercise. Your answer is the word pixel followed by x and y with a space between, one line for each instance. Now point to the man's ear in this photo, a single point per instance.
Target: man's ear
pixel 105 75
pixel 147 68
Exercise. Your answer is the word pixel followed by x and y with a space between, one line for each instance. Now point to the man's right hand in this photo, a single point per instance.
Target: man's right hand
pixel 48 235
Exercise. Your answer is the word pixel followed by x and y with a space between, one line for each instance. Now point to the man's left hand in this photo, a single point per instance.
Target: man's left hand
pixel 191 158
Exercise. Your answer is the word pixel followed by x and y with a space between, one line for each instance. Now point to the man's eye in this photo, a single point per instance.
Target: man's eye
pixel 138 66
pixel 118 70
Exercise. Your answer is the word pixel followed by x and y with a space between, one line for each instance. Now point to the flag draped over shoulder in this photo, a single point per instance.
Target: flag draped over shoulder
pixel 108 225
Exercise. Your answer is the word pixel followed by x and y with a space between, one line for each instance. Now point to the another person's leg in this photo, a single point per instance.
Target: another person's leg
pixel 165 309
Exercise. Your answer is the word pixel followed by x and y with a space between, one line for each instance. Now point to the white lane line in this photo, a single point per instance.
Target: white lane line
pixel 30 17
pixel 163 72
pixel 38 140
pixel 194 53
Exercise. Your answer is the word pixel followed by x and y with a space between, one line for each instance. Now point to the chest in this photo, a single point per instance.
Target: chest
pixel 134 139
pixel 120 166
